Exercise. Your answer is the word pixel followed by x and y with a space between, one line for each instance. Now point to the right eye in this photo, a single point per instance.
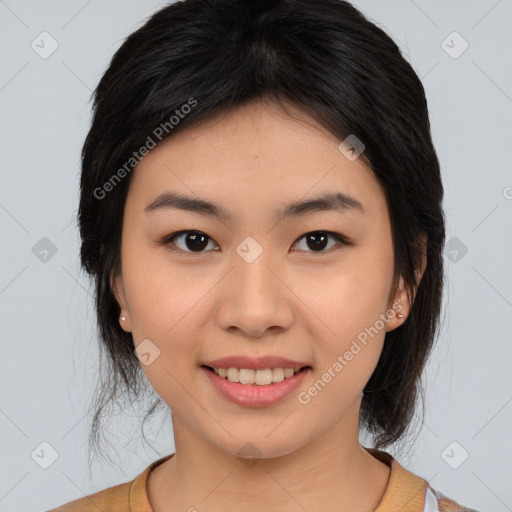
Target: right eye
pixel 192 241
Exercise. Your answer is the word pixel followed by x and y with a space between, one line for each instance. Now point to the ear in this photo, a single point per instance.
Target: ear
pixel 401 302
pixel 118 289
pixel 422 263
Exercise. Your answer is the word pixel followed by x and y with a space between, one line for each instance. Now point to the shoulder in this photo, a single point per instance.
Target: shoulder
pixel 411 492
pixel 120 498
pixel 113 499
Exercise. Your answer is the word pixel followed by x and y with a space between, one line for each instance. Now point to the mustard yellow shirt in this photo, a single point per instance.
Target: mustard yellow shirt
pixel 404 492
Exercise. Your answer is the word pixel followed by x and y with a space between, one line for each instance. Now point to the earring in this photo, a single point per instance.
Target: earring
pixel 123 318
pixel 399 315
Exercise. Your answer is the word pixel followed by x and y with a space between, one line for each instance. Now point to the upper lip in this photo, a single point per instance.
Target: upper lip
pixel 258 363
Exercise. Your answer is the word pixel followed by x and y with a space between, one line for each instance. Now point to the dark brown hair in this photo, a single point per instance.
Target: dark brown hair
pixel 331 63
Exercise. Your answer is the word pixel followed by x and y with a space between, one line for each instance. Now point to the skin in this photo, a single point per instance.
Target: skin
pixel 292 301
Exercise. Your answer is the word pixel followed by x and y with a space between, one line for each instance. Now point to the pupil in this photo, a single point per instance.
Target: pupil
pixel 318 244
pixel 196 241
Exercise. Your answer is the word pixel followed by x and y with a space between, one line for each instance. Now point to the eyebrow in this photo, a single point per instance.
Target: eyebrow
pixel 337 201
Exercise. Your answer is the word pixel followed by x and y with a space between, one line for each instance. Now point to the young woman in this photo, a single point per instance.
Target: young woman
pixel 261 211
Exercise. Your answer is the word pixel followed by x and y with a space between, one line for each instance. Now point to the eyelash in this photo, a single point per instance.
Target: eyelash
pixel 167 241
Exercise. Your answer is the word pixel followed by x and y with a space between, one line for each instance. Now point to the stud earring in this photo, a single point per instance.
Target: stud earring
pixel 123 318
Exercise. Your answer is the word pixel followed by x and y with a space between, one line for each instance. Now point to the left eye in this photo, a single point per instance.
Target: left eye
pixel 197 241
pixel 319 239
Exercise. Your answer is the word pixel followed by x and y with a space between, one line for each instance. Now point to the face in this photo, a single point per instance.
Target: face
pixel 195 286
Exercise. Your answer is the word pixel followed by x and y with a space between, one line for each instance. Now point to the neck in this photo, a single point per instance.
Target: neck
pixel 331 471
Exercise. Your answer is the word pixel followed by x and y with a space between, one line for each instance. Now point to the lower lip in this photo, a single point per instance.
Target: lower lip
pixel 253 395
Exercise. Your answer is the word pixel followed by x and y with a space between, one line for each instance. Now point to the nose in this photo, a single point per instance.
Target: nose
pixel 255 300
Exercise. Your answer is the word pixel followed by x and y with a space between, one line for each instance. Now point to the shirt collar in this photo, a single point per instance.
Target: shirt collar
pixel 404 492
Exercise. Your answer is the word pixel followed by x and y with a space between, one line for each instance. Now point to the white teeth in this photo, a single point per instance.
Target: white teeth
pixel 259 377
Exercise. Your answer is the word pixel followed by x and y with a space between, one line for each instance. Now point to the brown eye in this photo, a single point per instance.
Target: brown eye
pixel 197 242
pixel 191 241
pixel 317 241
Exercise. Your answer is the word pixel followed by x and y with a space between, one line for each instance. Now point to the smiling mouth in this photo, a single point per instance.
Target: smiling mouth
pixel 261 377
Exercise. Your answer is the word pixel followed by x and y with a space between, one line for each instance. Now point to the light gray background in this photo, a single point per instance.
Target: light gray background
pixel 49 358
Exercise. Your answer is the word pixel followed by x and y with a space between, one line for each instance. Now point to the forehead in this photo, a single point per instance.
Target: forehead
pixel 254 155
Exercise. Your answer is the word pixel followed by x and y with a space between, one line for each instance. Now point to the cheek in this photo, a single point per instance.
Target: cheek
pixel 163 305
pixel 349 297
pixel 167 304
pixel 352 305
pixel 346 360
pixel 159 293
